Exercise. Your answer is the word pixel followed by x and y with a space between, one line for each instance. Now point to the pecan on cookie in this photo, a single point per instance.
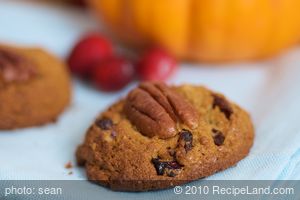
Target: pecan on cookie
pixel 155 110
pixel 15 67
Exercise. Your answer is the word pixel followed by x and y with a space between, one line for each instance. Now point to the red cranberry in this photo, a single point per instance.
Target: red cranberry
pixel 113 74
pixel 91 49
pixel 156 64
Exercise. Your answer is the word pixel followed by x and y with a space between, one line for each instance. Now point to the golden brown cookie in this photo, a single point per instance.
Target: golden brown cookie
pixel 34 87
pixel 161 136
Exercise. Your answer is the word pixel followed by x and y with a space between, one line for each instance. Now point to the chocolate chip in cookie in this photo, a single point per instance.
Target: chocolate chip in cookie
pixel 223 105
pixel 104 124
pixel 185 140
pixel 218 137
pixel 163 166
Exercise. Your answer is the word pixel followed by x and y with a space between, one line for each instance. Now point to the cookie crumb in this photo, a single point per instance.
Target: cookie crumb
pixel 68 165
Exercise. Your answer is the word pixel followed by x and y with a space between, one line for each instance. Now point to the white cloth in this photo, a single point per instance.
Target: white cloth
pixel 268 89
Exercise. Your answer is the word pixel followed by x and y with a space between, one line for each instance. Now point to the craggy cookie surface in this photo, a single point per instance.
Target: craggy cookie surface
pixel 34 87
pixel 161 136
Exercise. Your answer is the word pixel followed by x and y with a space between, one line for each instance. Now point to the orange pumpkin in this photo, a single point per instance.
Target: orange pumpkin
pixel 205 30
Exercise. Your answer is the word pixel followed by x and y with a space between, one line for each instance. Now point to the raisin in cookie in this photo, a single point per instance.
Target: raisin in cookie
pixel 160 136
pixel 34 87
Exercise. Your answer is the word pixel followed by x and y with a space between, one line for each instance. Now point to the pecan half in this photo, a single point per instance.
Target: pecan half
pixel 155 109
pixel 14 67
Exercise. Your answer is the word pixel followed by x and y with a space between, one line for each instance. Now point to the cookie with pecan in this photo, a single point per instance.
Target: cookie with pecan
pixel 34 87
pixel 160 136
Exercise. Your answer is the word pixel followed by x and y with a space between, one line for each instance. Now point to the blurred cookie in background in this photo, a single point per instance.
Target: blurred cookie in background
pixel 34 87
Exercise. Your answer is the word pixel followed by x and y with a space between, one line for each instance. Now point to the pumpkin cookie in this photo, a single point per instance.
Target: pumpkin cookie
pixel 34 87
pixel 160 136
